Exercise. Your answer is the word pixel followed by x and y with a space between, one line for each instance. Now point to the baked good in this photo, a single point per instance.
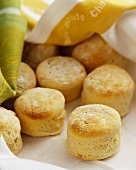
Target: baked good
pixel 62 73
pixel 26 79
pixel 33 54
pixel 109 85
pixel 41 111
pixel 93 132
pixel 10 129
pixel 95 52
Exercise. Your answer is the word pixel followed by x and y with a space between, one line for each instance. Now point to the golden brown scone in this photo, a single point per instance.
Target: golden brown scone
pixel 10 129
pixel 41 111
pixel 26 79
pixel 35 53
pixel 62 73
pixel 109 85
pixel 95 52
pixel 93 132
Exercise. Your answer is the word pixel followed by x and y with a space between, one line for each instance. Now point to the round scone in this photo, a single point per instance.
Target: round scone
pixel 109 85
pixel 26 79
pixel 41 111
pixel 35 53
pixel 95 52
pixel 93 132
pixel 62 73
pixel 11 130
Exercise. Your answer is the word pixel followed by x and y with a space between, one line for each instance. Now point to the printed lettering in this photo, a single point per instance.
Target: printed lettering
pixel 98 9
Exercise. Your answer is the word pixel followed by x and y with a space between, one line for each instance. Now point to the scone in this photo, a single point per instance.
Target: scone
pixel 95 52
pixel 41 111
pixel 26 80
pixel 33 54
pixel 93 132
pixel 109 85
pixel 10 129
pixel 62 73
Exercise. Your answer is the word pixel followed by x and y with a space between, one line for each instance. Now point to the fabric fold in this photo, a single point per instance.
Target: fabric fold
pixel 12 33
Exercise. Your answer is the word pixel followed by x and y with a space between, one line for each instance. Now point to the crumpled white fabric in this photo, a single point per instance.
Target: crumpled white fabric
pixel 9 161
pixel 122 35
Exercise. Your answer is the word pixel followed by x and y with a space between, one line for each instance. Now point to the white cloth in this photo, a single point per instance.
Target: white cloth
pixel 122 35
pixel 10 162
pixel 52 152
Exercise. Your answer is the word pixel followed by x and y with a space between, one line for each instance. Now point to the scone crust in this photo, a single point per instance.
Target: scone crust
pixel 40 103
pixel 26 78
pixel 93 132
pixel 109 79
pixel 94 120
pixel 41 111
pixel 34 54
pixel 11 130
pixel 109 85
pixel 62 73
pixel 95 52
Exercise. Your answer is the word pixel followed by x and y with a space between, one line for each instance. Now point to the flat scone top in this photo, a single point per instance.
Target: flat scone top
pixel 93 120
pixel 108 79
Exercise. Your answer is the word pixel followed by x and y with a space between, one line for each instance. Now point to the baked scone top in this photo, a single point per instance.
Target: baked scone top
pixel 39 103
pixel 8 119
pixel 64 70
pixel 26 78
pixel 94 120
pixel 108 79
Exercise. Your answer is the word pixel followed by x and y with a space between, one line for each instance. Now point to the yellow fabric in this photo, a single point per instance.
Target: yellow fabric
pixel 33 6
pixel 86 17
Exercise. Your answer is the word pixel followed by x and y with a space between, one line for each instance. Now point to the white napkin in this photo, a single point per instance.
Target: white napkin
pixel 8 161
pixel 122 35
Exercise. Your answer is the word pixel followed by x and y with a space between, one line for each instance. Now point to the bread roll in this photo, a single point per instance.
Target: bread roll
pixel 35 53
pixel 41 111
pixel 93 132
pixel 62 73
pixel 95 52
pixel 109 85
pixel 10 129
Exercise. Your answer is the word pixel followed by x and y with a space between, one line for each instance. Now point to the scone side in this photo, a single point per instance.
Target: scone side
pixel 42 127
pixel 11 130
pixel 96 148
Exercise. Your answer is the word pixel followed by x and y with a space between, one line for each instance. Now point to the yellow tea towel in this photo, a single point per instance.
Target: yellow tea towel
pixel 71 21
